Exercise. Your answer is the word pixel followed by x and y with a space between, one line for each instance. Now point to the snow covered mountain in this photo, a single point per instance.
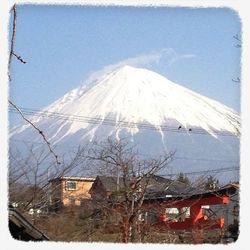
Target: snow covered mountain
pixel 152 111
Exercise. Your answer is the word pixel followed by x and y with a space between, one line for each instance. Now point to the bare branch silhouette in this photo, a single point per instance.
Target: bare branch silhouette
pixel 39 131
pixel 18 57
pixel 237 38
pixel 12 53
pixel 12 45
pixel 237 80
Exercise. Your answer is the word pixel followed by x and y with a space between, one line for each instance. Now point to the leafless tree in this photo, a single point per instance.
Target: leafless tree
pixel 133 174
pixel 11 103
pixel 30 175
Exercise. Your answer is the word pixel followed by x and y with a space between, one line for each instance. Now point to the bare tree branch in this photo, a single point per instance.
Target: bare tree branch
pixel 18 57
pixel 237 80
pixel 12 53
pixel 239 42
pixel 12 45
pixel 39 131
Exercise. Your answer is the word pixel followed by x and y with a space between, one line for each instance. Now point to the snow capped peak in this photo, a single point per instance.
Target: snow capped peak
pixel 140 95
pixel 126 67
pixel 137 95
pixel 136 103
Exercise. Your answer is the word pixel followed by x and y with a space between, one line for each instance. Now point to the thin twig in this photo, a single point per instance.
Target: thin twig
pixel 12 53
pixel 39 131
pixel 12 39
pixel 18 57
pixel 236 37
pixel 237 80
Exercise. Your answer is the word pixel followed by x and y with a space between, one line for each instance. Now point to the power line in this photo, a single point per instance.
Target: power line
pixel 119 123
pixel 217 170
pixel 175 158
pixel 203 159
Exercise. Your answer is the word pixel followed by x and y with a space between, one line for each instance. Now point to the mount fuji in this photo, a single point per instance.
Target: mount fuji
pixel 152 111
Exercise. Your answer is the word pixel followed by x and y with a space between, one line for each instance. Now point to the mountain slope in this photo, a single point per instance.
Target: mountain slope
pixel 146 107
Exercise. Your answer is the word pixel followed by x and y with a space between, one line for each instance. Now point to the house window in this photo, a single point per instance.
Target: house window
pixel 70 185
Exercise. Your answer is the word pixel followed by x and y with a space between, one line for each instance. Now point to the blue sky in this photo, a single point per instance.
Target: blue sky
pixel 64 45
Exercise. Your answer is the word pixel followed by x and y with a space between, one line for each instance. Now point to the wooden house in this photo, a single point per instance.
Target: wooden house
pixel 66 191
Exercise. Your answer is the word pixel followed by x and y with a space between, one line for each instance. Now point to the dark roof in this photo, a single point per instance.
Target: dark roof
pixel 157 186
pixel 156 183
pixel 22 229
pixel 227 190
pixel 159 179
pixel 169 187
pixel 110 182
pixel 233 184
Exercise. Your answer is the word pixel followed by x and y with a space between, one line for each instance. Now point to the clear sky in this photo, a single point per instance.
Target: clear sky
pixel 64 45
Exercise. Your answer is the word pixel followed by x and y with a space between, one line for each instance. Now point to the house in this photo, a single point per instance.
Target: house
pixel 66 191
pixel 195 202
pixel 21 229
pixel 167 188
pixel 106 186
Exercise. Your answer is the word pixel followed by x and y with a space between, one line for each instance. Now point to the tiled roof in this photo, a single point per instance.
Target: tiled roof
pixel 156 184
pixel 110 182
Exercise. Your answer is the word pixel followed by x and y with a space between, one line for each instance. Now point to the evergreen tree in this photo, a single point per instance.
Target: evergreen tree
pixel 211 184
pixel 183 179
